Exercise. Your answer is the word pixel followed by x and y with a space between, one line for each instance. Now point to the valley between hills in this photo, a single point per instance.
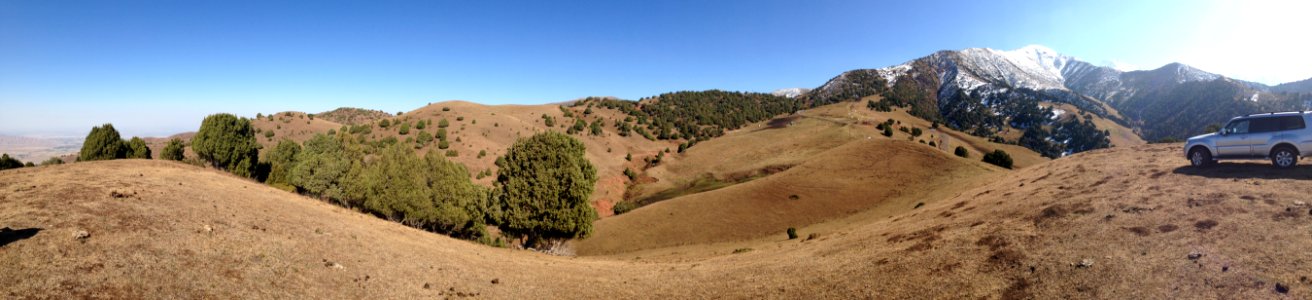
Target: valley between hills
pixel 877 217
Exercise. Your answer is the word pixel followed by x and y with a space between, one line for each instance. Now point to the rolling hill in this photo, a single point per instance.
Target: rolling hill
pixel 1120 222
pixel 353 116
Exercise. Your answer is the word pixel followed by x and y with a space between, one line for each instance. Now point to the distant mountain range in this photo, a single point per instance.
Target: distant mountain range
pixel 1174 101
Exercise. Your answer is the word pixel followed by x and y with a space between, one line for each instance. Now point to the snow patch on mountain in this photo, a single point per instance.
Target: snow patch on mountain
pixel 891 74
pixel 1185 73
pixel 1035 67
pixel 1057 112
pixel 790 92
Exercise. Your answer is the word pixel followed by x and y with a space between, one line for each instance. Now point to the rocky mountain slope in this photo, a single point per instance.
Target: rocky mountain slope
pixel 980 78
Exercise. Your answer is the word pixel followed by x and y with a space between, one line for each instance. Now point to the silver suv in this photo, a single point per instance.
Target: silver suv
pixel 1282 137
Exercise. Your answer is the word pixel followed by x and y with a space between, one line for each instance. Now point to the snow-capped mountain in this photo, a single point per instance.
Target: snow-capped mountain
pixel 790 92
pixel 950 83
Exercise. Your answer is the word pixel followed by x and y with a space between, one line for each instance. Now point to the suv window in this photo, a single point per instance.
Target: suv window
pixel 1264 125
pixel 1292 123
pixel 1238 126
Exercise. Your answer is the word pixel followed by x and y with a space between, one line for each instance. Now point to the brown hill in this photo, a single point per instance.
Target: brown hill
pixel 491 129
pixel 886 175
pixel 353 116
pixel 771 146
pixel 296 126
pixel 1128 222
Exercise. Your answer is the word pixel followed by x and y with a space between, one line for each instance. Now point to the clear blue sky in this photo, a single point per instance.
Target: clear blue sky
pixel 158 67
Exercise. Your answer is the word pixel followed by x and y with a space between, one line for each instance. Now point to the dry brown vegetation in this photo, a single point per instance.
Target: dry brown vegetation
pixel 876 217
pixel 296 126
pixel 1124 222
pixel 353 116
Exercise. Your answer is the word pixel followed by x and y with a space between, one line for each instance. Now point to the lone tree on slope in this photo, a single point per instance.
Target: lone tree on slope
pixel 103 143
pixel 545 183
pixel 227 142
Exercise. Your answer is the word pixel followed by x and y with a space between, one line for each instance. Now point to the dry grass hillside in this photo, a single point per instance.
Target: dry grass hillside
pixel 353 116
pixel 946 138
pixel 1127 222
pixel 879 174
pixel 473 128
pixel 492 129
pixel 818 165
pixel 749 152
pixel 296 126
pixel 771 146
pixel 270 129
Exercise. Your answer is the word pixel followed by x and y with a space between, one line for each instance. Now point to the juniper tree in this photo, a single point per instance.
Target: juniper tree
pixel 227 142
pixel 103 143
pixel 545 182
pixel 136 148
pixel 174 150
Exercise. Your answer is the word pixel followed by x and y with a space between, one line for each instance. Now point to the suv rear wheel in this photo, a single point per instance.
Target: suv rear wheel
pixel 1284 157
pixel 1200 157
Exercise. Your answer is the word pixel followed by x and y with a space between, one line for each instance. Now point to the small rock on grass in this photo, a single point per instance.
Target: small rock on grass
pixel 332 265
pixel 81 234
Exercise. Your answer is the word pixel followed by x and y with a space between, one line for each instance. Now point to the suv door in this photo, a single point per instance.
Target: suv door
pixel 1260 133
pixel 1233 141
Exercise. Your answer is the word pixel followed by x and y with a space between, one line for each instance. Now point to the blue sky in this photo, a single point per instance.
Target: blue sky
pixel 158 67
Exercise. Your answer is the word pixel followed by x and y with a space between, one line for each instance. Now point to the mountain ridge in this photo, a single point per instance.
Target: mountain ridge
pixel 955 81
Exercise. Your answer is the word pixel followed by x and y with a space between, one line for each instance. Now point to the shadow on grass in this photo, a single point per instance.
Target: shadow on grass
pixel 9 235
pixel 1247 170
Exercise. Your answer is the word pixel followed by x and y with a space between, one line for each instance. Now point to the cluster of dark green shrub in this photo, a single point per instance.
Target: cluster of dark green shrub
pixel 623 207
pixel 961 151
pixel 999 158
pixel 693 115
pixel 884 106
pixel 980 115
pixel 918 94
pixel 7 162
pixel 1043 131
pixel 851 86
pixel 886 128
pixel 1065 137
pixel 540 195
pixel 104 143
pixel 227 142
pixel 696 116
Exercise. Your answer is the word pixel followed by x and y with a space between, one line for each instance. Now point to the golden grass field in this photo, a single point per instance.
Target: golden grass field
pixel 878 218
pixel 1127 222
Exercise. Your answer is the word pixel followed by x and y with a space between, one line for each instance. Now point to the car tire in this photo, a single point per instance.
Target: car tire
pixel 1200 157
pixel 1284 157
